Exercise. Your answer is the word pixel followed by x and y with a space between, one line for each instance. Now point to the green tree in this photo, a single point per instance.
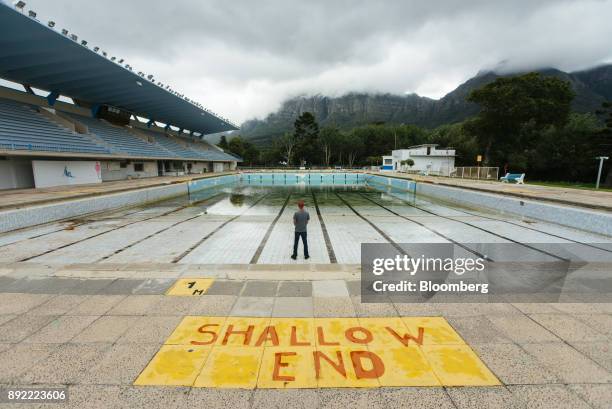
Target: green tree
pixel 513 108
pixel 250 153
pixel 407 162
pixel 285 145
pixel 306 134
pixel 236 145
pixel 223 142
pixel 329 140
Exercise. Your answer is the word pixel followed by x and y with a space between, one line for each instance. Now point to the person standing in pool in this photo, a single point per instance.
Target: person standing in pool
pixel 300 221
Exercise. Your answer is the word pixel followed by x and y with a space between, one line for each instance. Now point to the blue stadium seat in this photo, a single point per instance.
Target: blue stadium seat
pixel 23 128
pixel 171 145
pixel 121 140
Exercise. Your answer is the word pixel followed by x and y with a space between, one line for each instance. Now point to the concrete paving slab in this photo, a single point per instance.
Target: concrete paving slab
pixel 568 328
pixel 90 286
pixel 153 398
pixel 20 359
pixel 106 329
pixel 214 305
pixel 168 305
pixel 521 329
pixel 600 352
pixel 350 398
pixel 94 396
pixel 329 288
pixel 19 303
pixel 224 287
pixel 223 398
pixel 135 305
pixel 153 286
pixel 478 330
pixel 6 318
pixel 548 397
pixel 598 396
pixel 292 307
pixel 253 307
pixel 413 309
pixel 121 286
pixel 425 398
pixel 536 308
pixel 58 305
pixel 260 288
pixel 513 365
pixel 568 364
pixel 281 399
pixel 23 326
pixel 379 309
pixel 96 305
pixel 333 307
pixel 354 287
pixel 120 364
pixel 484 398
pixel 65 365
pixel 154 330
pixel 599 322
pixel 61 329
pixel 295 289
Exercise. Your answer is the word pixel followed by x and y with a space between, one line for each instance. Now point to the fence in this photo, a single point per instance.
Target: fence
pixel 476 172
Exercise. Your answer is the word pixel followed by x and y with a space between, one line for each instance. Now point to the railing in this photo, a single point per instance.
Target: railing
pixel 476 172
pixel 50 148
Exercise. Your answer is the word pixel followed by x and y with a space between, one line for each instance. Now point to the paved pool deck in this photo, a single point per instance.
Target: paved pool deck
pixel 96 336
pixel 600 200
pixel 84 304
pixel 20 198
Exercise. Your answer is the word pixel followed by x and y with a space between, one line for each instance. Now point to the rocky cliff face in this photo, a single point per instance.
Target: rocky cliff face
pixel 591 87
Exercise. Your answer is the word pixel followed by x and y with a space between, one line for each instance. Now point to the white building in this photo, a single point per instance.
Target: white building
pixel 428 159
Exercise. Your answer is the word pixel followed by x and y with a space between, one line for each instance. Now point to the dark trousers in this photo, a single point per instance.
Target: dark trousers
pixel 303 235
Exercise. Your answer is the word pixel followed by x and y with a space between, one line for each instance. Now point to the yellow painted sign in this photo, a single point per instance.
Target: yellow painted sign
pixel 240 352
pixel 190 286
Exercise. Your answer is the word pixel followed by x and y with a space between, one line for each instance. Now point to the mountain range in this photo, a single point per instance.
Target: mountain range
pixel 592 87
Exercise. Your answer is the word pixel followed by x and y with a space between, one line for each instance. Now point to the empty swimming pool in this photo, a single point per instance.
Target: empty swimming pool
pixel 247 219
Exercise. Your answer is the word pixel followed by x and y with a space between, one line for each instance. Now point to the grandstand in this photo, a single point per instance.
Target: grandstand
pixel 80 114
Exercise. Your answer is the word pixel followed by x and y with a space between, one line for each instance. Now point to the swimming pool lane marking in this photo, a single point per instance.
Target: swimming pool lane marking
pixel 531 228
pixel 517 224
pixel 219 198
pixel 428 228
pixel 259 250
pixel 375 227
pixel 328 244
pixel 222 225
pixel 487 231
pixel 83 223
pixel 108 231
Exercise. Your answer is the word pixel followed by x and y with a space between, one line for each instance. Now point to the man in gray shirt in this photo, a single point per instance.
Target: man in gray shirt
pixel 300 221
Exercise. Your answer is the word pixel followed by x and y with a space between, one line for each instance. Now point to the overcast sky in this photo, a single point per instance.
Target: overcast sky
pixel 242 58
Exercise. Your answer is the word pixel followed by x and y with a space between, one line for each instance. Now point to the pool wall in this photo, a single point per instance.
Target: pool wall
pixel 575 217
pixel 593 221
pixel 31 216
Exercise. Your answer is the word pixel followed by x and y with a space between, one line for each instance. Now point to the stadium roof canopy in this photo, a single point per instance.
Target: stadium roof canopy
pixel 34 54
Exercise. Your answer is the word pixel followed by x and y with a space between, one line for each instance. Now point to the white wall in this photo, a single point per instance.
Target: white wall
pixel 111 170
pixel 16 173
pixel 59 173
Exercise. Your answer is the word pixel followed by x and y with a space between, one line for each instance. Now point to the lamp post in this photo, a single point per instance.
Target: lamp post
pixel 601 161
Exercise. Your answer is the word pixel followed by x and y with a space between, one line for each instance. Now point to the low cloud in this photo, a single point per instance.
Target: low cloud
pixel 243 58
